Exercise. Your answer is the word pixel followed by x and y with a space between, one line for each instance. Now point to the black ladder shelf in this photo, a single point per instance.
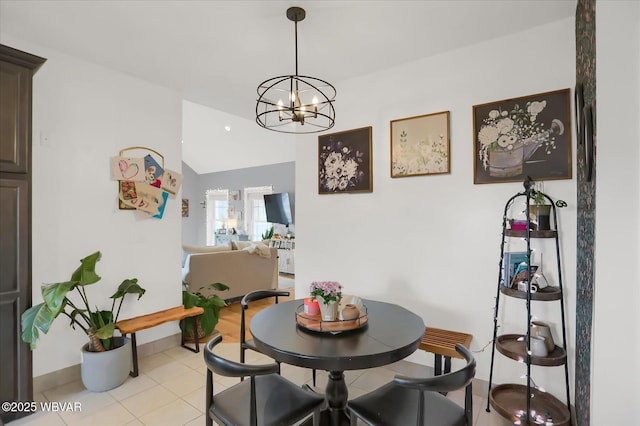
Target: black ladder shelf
pixel 513 401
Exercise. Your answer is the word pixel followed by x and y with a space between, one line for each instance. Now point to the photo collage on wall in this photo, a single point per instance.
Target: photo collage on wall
pixel 144 184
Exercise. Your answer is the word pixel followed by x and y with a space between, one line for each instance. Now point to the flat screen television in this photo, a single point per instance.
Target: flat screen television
pixel 278 208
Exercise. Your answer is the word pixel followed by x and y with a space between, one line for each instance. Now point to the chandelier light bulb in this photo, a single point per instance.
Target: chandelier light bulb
pixel 280 108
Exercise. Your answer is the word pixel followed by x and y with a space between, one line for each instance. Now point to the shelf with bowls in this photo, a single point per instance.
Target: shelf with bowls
pixel 514 401
pixel 548 293
pixel 510 401
pixel 513 346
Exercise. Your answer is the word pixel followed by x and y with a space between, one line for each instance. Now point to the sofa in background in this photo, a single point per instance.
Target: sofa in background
pixel 243 266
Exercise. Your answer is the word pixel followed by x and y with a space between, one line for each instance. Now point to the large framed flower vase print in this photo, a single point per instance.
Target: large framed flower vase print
pixel 420 145
pixel 344 162
pixel 525 136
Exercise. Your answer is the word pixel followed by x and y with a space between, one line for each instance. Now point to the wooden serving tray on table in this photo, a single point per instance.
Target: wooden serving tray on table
pixel 316 323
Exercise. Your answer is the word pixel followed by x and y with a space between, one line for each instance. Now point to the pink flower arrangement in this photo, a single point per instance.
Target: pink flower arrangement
pixel 327 290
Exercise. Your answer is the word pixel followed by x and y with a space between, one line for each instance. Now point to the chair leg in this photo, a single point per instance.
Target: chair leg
pixel 313 375
pixel 208 398
pixel 468 404
pixel 316 417
pixel 354 419
pixel 242 350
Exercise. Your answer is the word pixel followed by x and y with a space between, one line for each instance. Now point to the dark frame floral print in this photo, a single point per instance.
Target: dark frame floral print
pixel 344 162
pixel 520 137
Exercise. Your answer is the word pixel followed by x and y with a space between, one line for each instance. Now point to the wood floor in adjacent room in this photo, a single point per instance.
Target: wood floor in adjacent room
pixel 229 321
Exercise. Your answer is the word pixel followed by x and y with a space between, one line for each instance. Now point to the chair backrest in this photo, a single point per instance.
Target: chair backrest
pixel 228 368
pixel 225 367
pixel 447 382
pixel 458 379
pixel 251 297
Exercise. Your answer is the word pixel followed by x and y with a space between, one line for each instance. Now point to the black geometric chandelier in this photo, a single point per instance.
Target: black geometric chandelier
pixel 295 103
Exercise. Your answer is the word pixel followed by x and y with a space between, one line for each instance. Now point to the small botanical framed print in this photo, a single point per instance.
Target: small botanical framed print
pixel 420 145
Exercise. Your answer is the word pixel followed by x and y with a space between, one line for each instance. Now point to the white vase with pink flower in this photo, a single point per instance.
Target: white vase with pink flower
pixel 328 294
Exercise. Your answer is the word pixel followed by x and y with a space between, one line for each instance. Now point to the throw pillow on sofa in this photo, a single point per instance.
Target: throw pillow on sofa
pixel 259 249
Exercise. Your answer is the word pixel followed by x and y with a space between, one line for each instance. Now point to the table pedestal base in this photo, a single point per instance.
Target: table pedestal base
pixel 336 395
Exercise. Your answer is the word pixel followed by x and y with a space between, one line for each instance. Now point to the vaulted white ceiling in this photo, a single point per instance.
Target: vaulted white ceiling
pixel 216 52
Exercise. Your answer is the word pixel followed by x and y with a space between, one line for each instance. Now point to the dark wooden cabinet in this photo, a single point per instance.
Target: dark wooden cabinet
pixel 16 72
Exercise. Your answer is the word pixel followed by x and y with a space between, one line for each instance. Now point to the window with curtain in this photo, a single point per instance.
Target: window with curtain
pixel 255 216
pixel 217 212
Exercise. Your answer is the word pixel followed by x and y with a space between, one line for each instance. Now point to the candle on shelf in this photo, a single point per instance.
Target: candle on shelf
pixel 311 306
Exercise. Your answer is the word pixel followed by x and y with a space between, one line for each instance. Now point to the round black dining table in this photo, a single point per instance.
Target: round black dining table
pixel 391 334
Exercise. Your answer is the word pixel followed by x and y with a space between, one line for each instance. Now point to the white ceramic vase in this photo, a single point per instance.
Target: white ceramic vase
pixel 538 346
pixel 328 310
pixel 543 330
pixel 349 312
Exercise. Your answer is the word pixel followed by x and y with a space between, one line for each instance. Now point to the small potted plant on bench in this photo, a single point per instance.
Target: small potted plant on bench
pixel 105 358
pixel 207 321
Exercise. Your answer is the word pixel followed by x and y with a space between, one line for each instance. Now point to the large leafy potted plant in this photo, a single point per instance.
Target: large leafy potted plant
pixel 69 298
pixel 206 322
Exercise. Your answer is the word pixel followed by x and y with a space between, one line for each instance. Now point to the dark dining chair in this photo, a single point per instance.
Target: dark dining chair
pixel 266 395
pixel 252 297
pixel 418 401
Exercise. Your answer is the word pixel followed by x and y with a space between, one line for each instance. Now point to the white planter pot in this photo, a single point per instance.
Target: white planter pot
pixel 328 311
pixel 102 371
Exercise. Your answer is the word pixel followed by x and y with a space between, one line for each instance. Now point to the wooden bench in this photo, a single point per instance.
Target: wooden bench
pixel 442 343
pixel 132 325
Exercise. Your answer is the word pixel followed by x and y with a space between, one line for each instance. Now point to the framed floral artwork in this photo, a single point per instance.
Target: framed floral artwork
pixel 344 162
pixel 185 207
pixel 420 145
pixel 520 137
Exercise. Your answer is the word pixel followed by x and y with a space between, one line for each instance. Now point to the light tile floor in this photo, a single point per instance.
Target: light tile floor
pixel 170 390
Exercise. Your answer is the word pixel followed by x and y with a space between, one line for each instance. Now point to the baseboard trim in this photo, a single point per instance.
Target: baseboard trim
pixel 480 387
pixel 70 374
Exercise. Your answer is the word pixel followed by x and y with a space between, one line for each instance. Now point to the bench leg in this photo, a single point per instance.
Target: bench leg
pixel 437 365
pixel 195 332
pixel 134 355
pixel 439 368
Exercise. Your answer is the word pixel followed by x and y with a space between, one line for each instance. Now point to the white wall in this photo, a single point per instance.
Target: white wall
pixel 204 134
pixel 88 113
pixel 432 243
pixel 616 319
